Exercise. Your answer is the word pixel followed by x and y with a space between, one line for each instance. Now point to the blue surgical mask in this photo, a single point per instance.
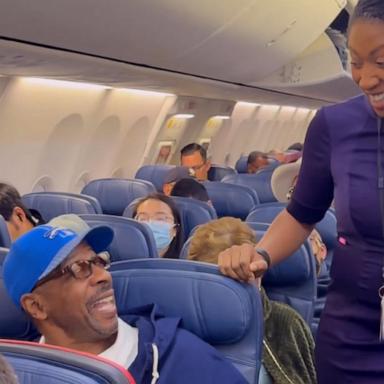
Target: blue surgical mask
pixel 162 233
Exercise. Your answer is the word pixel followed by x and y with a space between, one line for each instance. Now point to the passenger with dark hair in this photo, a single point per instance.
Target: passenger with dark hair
pixel 57 274
pixel 19 218
pixel 7 376
pixel 191 188
pixel 343 160
pixel 173 176
pixel 194 156
pixel 160 213
pixel 256 161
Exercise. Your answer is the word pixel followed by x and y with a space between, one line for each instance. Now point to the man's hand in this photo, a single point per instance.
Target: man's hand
pixel 242 262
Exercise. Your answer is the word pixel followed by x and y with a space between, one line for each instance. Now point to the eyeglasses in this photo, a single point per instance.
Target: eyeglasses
pixel 157 217
pixel 80 269
pixel 197 167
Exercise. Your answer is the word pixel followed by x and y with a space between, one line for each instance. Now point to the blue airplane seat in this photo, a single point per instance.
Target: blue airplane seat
pixel 225 313
pixel 327 227
pixel 259 182
pixel 154 174
pixel 217 172
pixel 115 194
pixel 294 280
pixel 44 364
pixel 241 164
pixel 231 199
pixel 132 240
pixel 52 204
pixel 192 212
pixel 14 323
pixel 5 240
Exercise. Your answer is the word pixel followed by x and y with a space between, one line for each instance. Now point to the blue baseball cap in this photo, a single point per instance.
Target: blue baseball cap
pixel 38 252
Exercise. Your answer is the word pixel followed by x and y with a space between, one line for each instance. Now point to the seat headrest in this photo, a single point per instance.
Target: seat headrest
pixel 201 299
pixel 154 173
pixel 52 204
pixel 217 172
pixel 292 271
pixel 115 194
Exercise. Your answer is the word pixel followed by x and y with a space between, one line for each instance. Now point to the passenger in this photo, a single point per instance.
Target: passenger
pixel 194 156
pixel 191 188
pixel 59 278
pixel 288 343
pixel 18 217
pixel 342 159
pixel 160 213
pixel 173 176
pixel 7 375
pixel 256 161
pixel 283 183
pixel 296 147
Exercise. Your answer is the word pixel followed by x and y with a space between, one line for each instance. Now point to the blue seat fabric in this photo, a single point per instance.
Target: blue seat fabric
pixel 217 172
pixel 154 174
pixel 115 194
pixel 223 312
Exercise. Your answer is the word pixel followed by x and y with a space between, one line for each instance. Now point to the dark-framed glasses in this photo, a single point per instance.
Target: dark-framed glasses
pixel 80 269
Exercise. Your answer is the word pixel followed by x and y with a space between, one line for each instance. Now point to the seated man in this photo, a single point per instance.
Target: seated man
pixel 59 277
pixel 256 161
pixel 173 176
pixel 288 343
pixel 19 219
pixel 194 156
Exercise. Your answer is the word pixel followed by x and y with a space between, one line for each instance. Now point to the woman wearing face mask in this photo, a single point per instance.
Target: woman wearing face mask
pixel 160 213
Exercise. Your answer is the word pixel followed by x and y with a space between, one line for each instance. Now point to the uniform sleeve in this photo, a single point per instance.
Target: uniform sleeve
pixel 314 190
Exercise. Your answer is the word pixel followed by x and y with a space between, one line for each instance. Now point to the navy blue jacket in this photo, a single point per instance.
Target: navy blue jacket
pixel 180 356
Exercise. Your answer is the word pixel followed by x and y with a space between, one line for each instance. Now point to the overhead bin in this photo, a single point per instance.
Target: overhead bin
pixel 239 41
pixel 318 72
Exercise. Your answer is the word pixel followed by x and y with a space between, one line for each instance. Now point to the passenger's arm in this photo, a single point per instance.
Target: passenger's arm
pixel 283 237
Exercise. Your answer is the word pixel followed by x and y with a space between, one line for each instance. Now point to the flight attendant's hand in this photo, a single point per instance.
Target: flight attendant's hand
pixel 242 262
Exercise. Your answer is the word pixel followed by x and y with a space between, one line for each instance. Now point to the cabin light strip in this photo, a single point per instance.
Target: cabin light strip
pixel 221 117
pixel 81 85
pixel 64 83
pixel 184 116
pixel 144 92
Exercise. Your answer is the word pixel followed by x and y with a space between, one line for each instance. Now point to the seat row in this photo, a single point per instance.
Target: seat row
pixel 196 292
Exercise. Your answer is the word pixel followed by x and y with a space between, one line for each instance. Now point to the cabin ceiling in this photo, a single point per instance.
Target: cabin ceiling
pixel 218 48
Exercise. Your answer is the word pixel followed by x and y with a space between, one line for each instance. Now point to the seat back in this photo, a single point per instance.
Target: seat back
pixel 327 227
pixel 192 213
pixel 14 324
pixel 217 172
pixel 259 182
pixel 221 311
pixel 43 364
pixel 241 164
pixel 154 174
pixel 231 199
pixel 132 239
pixel 52 204
pixel 294 280
pixel 5 240
pixel 265 213
pixel 115 194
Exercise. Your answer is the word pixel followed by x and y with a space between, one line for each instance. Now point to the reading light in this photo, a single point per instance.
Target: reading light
pixel 222 117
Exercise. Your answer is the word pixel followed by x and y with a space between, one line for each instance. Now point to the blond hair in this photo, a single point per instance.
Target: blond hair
pixel 216 236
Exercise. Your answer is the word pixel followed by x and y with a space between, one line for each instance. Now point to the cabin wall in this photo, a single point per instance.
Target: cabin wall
pixel 259 127
pixel 56 136
pixel 59 135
